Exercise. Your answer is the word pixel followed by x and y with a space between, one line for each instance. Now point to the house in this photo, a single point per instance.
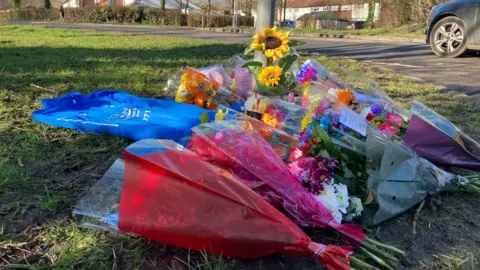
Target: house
pixel 7 4
pixel 297 8
pixel 78 3
pixel 169 4
pixel 214 9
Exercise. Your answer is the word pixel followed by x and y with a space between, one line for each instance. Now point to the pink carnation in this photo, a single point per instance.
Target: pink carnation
pixel 389 128
pixel 395 120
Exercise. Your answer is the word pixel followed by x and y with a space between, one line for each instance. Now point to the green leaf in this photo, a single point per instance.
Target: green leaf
pixel 204 118
pixel 254 66
pixel 324 153
pixel 248 50
pixel 287 62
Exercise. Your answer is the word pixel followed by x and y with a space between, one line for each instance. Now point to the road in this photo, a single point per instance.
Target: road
pixel 412 59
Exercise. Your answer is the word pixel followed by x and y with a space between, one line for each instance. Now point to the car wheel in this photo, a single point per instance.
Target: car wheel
pixel 448 37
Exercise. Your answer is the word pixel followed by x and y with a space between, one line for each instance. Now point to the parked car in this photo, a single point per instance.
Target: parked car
pixel 288 24
pixel 454 27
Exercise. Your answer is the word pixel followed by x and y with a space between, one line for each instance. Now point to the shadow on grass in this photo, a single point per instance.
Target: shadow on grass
pixel 87 69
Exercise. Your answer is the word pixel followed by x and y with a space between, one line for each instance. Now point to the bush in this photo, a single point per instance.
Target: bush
pixel 5 16
pixel 164 17
pixel 35 14
pixel 115 14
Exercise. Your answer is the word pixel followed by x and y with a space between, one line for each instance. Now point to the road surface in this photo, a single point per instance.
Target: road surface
pixel 412 59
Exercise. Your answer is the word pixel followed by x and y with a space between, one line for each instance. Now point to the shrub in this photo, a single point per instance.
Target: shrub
pixel 47 4
pixel 155 16
pixel 164 17
pixel 5 16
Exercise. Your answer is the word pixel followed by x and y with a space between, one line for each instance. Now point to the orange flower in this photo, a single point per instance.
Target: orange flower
pixel 345 96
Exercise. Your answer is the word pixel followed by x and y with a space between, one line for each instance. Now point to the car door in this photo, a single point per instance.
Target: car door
pixel 476 25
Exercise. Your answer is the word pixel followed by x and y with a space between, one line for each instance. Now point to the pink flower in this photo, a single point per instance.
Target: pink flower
pixel 395 120
pixel 296 154
pixel 319 111
pixel 389 128
pixel 295 170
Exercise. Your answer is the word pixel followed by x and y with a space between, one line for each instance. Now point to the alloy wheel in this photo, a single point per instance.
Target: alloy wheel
pixel 449 37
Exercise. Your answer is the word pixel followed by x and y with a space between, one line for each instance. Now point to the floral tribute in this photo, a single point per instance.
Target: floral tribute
pixel 272 76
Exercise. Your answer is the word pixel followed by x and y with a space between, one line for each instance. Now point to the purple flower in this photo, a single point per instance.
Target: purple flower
pixel 327 163
pixel 306 73
pixel 376 109
pixel 319 178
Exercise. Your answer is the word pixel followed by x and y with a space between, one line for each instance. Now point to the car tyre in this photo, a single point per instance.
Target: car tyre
pixel 448 37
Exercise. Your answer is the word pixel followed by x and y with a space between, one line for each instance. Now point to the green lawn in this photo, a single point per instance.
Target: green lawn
pixel 44 171
pixel 412 31
pixel 404 31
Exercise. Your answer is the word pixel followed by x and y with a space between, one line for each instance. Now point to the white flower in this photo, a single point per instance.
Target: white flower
pixel 355 208
pixel 341 192
pixel 297 154
pixel 329 199
pixel 332 94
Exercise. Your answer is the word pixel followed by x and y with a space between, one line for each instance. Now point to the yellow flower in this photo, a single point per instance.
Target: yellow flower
pixel 232 86
pixel 219 116
pixel 308 116
pixel 261 107
pixel 270 120
pixel 272 42
pixel 270 76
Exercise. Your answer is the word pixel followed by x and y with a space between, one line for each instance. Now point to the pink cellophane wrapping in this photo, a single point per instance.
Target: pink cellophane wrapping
pixel 247 153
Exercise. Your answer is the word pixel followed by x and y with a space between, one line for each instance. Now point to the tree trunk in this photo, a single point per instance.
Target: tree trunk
pixel 186 6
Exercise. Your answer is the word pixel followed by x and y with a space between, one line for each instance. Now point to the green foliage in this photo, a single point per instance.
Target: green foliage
pixel 47 4
pixel 371 15
pixel 162 4
pixel 16 4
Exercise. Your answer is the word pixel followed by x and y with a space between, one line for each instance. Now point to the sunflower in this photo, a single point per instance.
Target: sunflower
pixel 272 42
pixel 270 76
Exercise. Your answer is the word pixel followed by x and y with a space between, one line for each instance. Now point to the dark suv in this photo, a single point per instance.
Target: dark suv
pixel 454 27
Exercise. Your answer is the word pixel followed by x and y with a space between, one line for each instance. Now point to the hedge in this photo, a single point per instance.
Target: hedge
pixel 124 15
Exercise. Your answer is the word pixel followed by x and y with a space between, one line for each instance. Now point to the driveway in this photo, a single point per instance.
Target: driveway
pixel 412 59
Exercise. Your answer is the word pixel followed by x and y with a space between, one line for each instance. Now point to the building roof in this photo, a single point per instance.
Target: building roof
pixel 311 3
pixel 321 15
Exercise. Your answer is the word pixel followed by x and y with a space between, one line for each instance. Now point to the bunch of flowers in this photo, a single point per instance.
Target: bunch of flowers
pixel 388 122
pixel 194 87
pixel 317 162
pixel 271 76
pixel 307 73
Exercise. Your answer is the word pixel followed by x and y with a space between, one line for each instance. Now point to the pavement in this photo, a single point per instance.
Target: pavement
pixel 414 60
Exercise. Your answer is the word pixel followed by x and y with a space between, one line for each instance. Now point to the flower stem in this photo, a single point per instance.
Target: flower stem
pixel 377 259
pixel 391 248
pixel 359 264
pixel 473 177
pixel 374 250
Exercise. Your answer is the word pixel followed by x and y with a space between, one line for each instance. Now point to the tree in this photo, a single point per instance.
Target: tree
pixel 16 4
pixel 209 8
pixel 162 4
pixel 47 4
pixel 186 6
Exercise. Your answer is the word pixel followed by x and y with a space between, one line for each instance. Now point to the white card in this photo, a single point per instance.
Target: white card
pixel 353 120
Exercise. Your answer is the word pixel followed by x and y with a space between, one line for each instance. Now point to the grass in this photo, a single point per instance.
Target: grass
pixel 404 31
pixel 44 171
pixel 413 30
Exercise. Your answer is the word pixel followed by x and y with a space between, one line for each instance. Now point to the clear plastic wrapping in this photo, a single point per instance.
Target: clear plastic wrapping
pixel 277 113
pixel 194 87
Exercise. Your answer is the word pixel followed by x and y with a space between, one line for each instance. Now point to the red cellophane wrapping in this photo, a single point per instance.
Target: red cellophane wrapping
pixel 246 154
pixel 172 196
